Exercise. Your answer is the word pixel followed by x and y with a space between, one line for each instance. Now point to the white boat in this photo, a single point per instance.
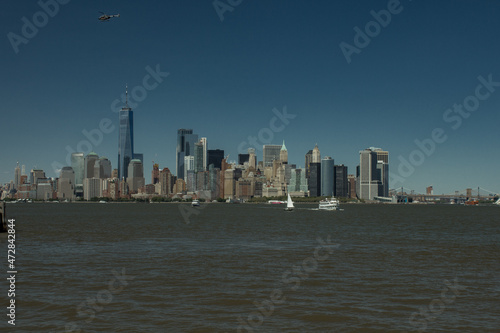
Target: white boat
pixel 497 202
pixel 276 202
pixel 195 203
pixel 329 204
pixel 289 203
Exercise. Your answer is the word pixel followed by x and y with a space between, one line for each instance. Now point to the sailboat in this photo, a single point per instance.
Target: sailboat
pixel 289 203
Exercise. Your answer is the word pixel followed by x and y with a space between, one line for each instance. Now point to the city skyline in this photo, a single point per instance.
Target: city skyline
pixel 284 77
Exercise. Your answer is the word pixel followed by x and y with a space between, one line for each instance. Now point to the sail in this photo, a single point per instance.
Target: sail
pixel 289 202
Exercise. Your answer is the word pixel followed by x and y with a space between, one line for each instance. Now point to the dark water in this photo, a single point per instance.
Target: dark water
pixel 142 268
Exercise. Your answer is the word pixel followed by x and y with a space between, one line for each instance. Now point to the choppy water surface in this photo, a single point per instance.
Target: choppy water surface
pixel 142 268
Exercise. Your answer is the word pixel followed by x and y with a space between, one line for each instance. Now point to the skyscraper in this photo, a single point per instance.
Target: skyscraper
pixel 309 157
pixel 327 176
pixel 283 154
pixel 135 179
pixel 298 181
pixel 126 140
pixel 89 165
pixel 252 160
pixel 215 157
pixel 17 176
pixel 66 184
pixel 78 165
pixel 188 166
pixel 314 180
pixel 243 158
pixel 35 174
pixel 166 181
pixel 271 153
pixel 205 157
pixel 341 185
pixel 155 174
pixel 102 168
pixel 185 147
pixel 373 177
pixel 198 157
pixel 351 180
pixel 316 155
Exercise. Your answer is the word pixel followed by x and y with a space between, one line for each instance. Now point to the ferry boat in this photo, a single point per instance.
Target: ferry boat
pixel 471 202
pixel 276 202
pixel 329 204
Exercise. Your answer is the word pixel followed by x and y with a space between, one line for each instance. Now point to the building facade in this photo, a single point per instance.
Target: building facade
pixel 341 187
pixel 327 176
pixel 185 147
pixel 271 153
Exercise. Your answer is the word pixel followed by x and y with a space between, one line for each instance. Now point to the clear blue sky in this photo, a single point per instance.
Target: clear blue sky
pixel 225 78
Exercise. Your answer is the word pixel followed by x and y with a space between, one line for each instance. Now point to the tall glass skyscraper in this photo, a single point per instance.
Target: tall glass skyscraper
pixel 215 157
pixel 78 165
pixel 327 176
pixel 185 147
pixel 126 140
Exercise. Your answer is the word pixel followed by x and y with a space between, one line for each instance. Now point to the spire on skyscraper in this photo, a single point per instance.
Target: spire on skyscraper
pixel 126 95
pixel 283 147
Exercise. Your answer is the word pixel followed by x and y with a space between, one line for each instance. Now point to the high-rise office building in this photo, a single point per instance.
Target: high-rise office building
pixel 78 165
pixel 298 181
pixel 271 153
pixel 314 180
pixel 102 168
pixel 205 157
pixel 155 174
pixel 89 165
pixel 373 177
pixel 243 158
pixel 215 157
pixel 383 177
pixel 198 157
pixel 35 174
pixel 135 179
pixel 341 187
pixel 309 157
pixel 92 188
pixel 185 147
pixel 213 182
pixel 17 176
pixel 125 139
pixel 188 165
pixel 284 154
pixel 351 179
pixel 316 155
pixel 66 184
pixel 252 159
pixel 327 176
pixel 166 181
